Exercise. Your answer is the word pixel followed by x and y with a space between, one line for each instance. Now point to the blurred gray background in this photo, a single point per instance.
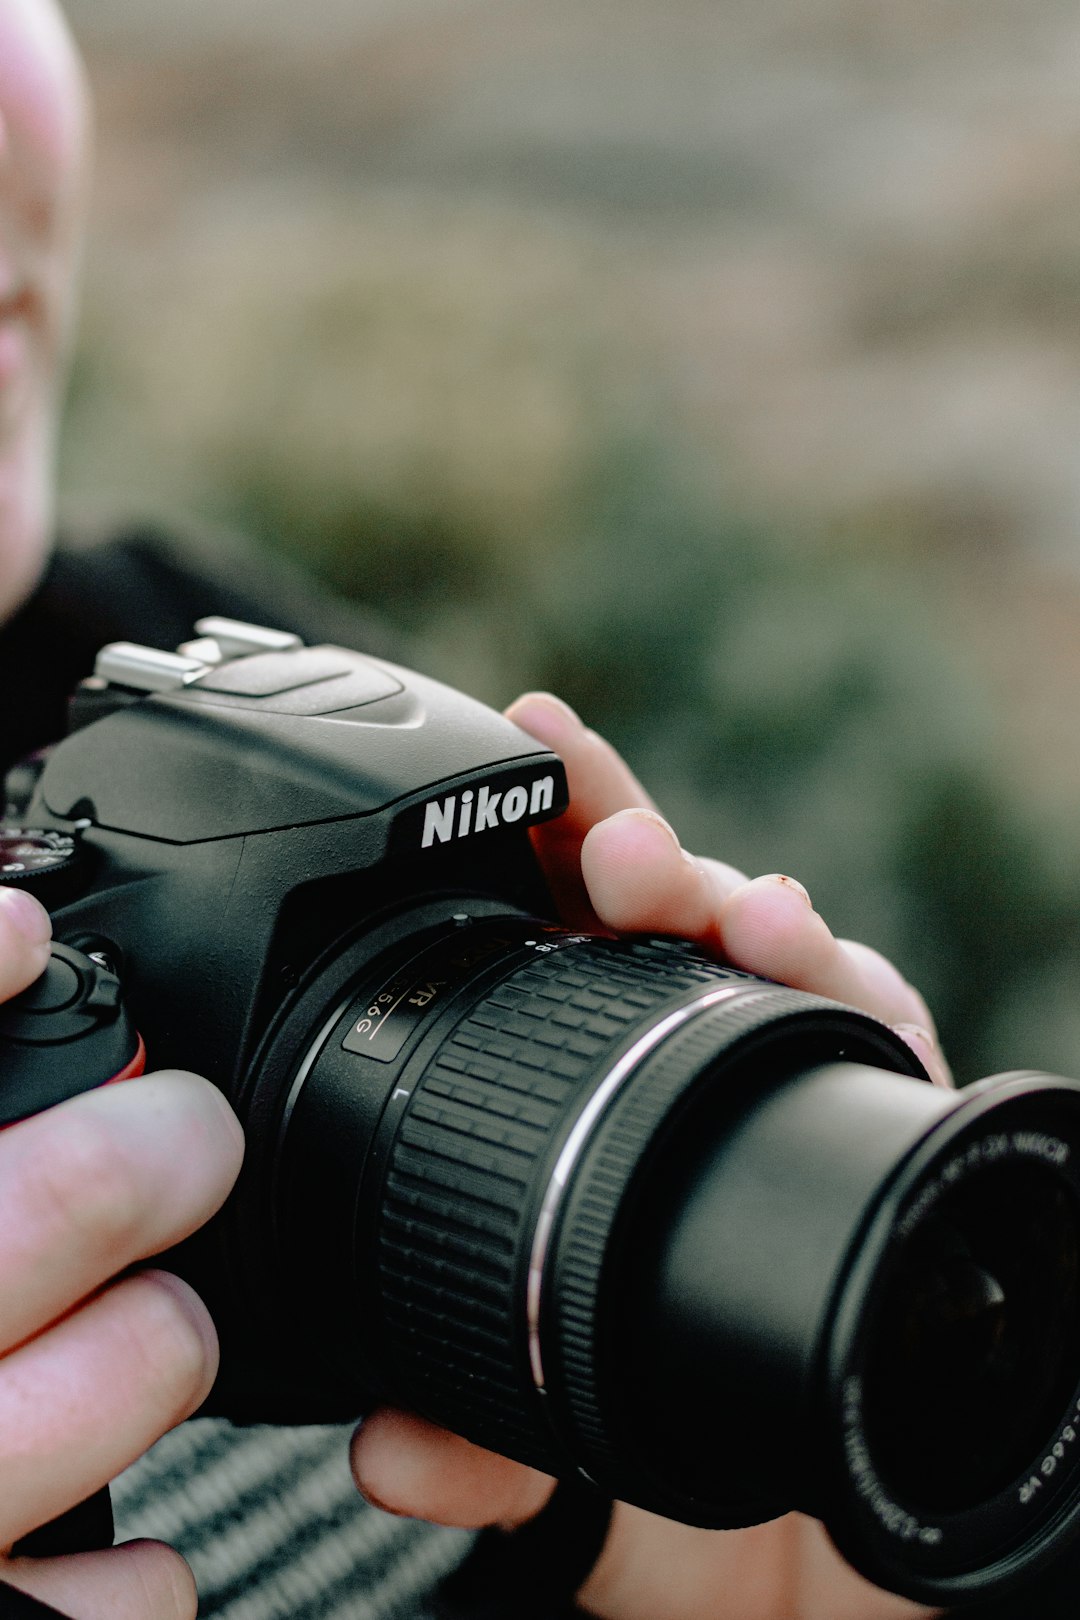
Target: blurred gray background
pixel 716 364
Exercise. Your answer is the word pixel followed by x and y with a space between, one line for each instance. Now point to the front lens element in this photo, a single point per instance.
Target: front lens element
pixel 977 1346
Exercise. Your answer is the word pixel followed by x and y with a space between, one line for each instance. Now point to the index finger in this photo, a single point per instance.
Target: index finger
pixel 600 780
pixel 106 1179
pixel 640 881
pixel 613 865
pixel 601 784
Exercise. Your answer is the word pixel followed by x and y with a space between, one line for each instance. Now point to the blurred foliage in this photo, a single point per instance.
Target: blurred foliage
pixel 453 410
pixel 789 709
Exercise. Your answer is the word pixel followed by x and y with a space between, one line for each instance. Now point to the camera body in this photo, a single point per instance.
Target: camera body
pixel 241 810
pixel 606 1205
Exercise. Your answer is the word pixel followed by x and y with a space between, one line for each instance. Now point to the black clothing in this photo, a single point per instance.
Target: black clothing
pixel 144 587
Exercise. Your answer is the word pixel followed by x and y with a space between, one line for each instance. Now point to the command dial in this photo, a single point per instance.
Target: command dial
pixel 33 858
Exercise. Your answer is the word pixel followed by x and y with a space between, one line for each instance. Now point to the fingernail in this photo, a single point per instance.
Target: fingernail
pixel 793 884
pixel 925 1048
pixel 381 1450
pixel 545 717
pixel 649 818
pixel 27 915
pixel 191 1307
pixel 918 1033
pixel 375 1501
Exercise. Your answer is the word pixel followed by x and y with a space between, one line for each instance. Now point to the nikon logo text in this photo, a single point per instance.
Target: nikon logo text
pixel 458 817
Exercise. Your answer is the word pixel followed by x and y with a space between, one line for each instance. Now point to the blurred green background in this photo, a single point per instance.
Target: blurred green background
pixel 716 365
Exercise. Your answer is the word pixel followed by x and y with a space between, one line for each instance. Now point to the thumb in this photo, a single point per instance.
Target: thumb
pixel 25 932
pixel 404 1464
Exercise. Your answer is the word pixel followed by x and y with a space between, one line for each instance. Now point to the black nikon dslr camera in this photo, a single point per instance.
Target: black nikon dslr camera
pixel 603 1205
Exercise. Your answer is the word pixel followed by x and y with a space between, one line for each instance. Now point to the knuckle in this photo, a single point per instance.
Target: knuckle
pixel 79 1185
pixel 166 1350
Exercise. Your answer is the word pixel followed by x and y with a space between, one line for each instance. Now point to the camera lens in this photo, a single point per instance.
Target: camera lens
pixel 616 1210
pixel 977 1341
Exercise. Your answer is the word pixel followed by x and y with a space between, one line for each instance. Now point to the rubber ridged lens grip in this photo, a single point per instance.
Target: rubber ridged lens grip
pixel 470 1164
pixel 505 1101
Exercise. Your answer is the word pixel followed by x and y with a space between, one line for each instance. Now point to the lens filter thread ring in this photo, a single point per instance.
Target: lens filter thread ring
pixel 948 1554
pixel 626 1136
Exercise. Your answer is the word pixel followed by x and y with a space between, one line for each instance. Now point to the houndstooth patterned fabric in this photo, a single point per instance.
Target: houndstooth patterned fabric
pixel 274 1529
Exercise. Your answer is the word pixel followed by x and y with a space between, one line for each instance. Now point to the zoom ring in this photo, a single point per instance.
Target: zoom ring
pixel 623 1136
pixel 470 1162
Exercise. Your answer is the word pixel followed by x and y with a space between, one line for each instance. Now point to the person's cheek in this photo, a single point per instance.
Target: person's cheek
pixel 44 140
pixel 43 116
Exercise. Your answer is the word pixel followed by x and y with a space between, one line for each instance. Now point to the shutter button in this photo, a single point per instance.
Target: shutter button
pixel 67 1033
pixel 57 988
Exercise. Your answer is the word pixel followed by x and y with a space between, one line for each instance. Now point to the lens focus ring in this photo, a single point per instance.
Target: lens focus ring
pixel 471 1161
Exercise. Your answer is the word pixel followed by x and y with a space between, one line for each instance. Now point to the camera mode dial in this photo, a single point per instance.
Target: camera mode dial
pixel 37 859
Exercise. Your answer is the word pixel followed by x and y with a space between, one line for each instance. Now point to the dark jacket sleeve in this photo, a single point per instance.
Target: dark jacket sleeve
pixel 148 586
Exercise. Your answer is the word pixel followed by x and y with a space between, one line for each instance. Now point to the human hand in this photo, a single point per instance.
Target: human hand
pixel 613 865
pixel 95 1366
